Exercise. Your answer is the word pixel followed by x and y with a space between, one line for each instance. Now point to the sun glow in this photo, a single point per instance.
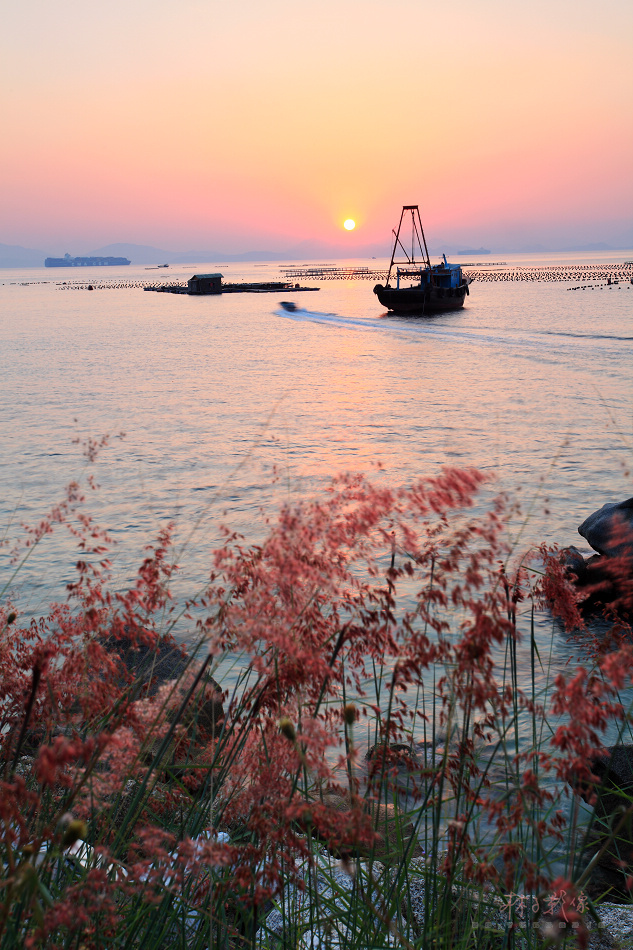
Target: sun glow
pixel 349 225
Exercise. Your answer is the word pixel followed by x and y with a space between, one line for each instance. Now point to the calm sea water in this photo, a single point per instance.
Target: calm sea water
pixel 531 381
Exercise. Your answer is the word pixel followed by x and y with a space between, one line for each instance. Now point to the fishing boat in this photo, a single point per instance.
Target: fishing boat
pixel 420 288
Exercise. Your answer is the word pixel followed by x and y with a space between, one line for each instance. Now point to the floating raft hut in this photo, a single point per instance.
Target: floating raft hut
pixel 205 284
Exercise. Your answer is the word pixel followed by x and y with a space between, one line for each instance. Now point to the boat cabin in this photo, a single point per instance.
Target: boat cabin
pixel 205 284
pixel 442 275
pixel 447 275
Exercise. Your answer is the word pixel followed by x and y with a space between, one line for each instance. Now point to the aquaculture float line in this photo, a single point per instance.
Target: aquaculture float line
pixel 488 272
pixel 608 274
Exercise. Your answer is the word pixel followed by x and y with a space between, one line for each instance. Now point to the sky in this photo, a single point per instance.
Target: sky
pixel 266 123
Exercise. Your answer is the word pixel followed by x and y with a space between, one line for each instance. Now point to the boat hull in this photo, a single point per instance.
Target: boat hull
pixel 421 301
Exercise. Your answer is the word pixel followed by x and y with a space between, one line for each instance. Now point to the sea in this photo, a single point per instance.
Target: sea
pixel 219 409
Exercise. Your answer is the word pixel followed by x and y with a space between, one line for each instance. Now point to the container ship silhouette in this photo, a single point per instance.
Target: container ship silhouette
pixel 68 261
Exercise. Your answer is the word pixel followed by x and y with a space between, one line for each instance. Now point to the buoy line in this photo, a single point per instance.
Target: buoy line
pixel 610 274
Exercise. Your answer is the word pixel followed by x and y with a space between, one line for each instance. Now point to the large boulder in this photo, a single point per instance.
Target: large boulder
pixel 609 846
pixel 609 530
pixel 614 788
pixel 147 666
pixel 151 664
pixel 601 580
pixel 606 578
pixel 335 821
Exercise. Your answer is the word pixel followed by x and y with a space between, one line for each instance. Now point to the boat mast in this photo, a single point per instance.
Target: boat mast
pixel 417 231
pixel 413 209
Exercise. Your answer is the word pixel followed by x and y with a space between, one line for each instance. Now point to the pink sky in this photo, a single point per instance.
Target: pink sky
pixel 261 124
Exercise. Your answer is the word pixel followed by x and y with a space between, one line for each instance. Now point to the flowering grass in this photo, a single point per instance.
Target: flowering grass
pixel 377 773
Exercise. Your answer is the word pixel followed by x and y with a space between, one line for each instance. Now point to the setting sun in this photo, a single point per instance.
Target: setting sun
pixel 349 225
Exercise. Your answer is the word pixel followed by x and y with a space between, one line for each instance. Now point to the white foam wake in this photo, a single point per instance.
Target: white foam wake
pixel 428 330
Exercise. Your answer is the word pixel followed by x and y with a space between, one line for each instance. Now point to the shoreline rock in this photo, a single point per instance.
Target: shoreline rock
pixel 609 530
pixel 605 578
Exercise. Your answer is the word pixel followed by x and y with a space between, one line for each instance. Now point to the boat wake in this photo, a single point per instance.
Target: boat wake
pixel 300 315
pixel 547 343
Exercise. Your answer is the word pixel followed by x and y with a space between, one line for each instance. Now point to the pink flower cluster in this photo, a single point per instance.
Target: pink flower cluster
pixel 409 582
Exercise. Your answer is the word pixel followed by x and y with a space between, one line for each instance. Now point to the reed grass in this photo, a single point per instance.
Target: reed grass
pixel 387 771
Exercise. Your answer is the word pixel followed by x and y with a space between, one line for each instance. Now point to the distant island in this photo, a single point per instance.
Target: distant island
pixel 68 261
pixel 478 250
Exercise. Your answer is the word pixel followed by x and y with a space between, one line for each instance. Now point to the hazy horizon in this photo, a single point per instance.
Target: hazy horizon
pixel 515 240
pixel 17 257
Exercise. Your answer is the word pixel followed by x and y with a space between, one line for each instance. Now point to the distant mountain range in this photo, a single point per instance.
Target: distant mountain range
pixel 306 250
pixel 15 256
pixel 145 254
pixel 12 255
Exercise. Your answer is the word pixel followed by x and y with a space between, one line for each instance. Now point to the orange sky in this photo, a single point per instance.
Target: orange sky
pixel 265 123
